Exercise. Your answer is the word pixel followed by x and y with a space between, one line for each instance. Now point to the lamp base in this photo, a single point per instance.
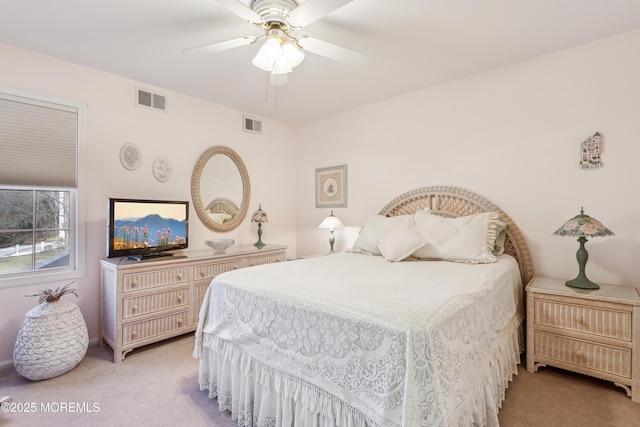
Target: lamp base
pixel 259 244
pixel 331 241
pixel 581 282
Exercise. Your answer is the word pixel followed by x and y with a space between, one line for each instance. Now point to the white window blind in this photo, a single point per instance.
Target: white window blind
pixel 38 143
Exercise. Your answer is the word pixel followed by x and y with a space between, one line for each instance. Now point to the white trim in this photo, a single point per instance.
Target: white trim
pixel 77 202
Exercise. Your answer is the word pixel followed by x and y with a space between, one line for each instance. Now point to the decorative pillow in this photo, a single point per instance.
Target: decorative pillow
pixel 400 241
pixel 501 231
pixel 373 229
pixel 469 239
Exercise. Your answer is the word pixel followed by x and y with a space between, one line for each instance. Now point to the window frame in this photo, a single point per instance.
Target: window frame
pixel 77 243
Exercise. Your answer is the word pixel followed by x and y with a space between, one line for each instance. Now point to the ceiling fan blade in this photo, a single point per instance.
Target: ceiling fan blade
pixel 312 10
pixel 241 10
pixel 220 46
pixel 331 51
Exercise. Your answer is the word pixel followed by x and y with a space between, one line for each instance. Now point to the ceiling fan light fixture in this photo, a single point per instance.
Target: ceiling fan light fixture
pixel 277 79
pixel 292 54
pixel 278 55
pixel 281 69
pixel 272 48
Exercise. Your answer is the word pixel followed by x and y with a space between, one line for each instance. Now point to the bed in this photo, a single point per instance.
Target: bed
pixel 393 334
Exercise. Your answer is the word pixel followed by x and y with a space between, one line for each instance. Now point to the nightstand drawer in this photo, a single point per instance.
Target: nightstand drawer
pixel 598 357
pixel 154 327
pixel 140 305
pixel 580 318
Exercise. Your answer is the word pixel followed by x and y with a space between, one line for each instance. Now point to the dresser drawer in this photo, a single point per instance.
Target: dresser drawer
pixel 264 259
pixel 155 278
pixel 209 271
pixel 585 354
pixel 137 306
pixel 581 318
pixel 140 331
pixel 146 302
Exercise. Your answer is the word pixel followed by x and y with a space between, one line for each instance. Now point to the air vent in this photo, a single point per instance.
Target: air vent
pixel 252 125
pixel 147 99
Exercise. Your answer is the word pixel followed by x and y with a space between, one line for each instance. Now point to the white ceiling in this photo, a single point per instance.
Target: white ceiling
pixel 410 44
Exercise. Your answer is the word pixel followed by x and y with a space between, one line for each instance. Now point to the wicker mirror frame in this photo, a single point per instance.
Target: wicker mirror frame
pixel 196 196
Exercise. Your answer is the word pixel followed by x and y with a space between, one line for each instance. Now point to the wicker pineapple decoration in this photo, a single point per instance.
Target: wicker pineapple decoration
pixel 53 338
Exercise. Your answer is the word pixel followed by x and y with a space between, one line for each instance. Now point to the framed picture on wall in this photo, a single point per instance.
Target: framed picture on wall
pixel 331 187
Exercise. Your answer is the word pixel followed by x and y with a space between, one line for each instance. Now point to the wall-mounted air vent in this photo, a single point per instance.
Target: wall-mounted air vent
pixel 147 99
pixel 251 125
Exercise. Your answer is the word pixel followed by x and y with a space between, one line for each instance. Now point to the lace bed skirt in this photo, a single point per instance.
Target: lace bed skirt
pixel 258 395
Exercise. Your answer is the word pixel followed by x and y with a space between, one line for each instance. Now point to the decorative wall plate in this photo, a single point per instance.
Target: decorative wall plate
pixel 162 168
pixel 130 156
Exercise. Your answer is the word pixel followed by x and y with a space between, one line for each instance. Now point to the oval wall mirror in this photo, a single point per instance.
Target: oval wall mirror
pixel 220 189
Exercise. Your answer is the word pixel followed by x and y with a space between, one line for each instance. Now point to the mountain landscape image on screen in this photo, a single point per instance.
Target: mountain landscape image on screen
pixel 149 231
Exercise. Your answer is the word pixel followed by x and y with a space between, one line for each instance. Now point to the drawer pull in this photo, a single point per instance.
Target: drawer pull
pixel 180 321
pixel 579 353
pixel 134 333
pixel 133 284
pixel 135 307
pixel 179 298
pixel 179 277
pixel 578 318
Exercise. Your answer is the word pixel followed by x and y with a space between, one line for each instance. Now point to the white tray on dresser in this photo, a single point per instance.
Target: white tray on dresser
pixel 592 332
pixel 149 301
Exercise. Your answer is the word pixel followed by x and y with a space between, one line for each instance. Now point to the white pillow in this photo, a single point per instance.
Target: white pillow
pixel 374 228
pixel 400 241
pixel 501 237
pixel 469 239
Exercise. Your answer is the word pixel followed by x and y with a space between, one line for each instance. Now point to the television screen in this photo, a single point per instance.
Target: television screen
pixel 146 228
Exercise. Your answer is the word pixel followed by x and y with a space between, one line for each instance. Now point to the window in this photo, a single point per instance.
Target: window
pixel 39 169
pixel 35 231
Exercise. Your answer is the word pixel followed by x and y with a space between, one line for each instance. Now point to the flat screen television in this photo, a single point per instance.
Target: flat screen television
pixel 140 229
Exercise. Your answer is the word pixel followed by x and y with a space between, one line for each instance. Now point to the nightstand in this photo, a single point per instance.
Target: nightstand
pixel 592 332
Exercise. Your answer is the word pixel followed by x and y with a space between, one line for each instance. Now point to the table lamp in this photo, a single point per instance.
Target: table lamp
pixel 582 226
pixel 259 216
pixel 331 223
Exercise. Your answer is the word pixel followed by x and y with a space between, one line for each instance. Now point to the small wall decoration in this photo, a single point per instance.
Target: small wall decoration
pixel 331 187
pixel 590 152
pixel 162 169
pixel 130 156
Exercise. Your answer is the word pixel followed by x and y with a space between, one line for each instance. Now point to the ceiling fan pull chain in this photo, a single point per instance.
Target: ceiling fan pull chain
pixel 275 91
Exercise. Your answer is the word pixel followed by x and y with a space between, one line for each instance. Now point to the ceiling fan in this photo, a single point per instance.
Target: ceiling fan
pixel 283 48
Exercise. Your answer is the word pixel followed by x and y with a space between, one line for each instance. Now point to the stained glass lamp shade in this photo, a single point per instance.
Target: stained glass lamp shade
pixel 331 223
pixel 260 217
pixel 582 226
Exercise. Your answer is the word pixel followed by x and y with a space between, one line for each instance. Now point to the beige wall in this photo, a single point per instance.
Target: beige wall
pixel 188 128
pixel 511 134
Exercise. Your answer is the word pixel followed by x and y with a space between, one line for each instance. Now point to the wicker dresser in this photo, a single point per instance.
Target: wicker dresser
pixel 145 302
pixel 593 332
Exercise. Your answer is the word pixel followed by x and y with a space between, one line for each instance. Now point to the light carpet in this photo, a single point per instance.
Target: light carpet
pixel 157 385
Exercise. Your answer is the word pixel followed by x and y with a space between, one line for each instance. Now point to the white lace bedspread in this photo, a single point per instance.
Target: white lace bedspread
pixel 369 341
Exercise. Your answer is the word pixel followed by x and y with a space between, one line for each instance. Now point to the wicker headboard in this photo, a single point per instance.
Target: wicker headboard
pixel 454 202
pixel 222 205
